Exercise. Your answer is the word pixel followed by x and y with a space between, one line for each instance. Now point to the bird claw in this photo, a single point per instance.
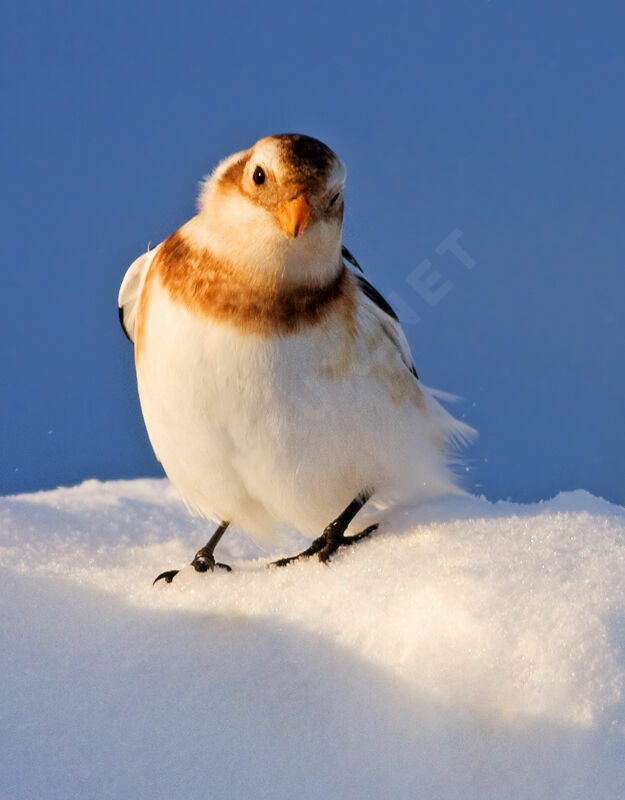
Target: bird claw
pixel 282 562
pixel 167 576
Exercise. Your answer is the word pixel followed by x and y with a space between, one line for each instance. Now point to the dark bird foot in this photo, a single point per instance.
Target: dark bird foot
pixel 203 559
pixel 326 545
pixel 199 564
pixel 333 536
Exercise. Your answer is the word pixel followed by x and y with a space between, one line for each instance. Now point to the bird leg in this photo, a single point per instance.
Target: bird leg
pixel 333 536
pixel 203 559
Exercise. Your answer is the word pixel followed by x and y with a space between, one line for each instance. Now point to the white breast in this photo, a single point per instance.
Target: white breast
pixel 280 430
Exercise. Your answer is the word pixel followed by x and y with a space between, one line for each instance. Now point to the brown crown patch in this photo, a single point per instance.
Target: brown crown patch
pixel 305 153
pixel 213 288
pixel 307 161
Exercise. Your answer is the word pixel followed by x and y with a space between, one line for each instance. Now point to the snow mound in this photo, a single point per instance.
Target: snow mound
pixel 467 650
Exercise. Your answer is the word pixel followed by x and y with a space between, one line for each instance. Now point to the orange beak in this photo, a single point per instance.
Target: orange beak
pixel 294 216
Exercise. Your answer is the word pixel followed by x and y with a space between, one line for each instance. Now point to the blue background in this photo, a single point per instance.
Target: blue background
pixel 503 120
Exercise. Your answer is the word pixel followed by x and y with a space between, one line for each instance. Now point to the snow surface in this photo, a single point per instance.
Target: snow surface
pixel 471 650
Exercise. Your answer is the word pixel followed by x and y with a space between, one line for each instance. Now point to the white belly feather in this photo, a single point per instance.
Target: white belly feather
pixel 267 431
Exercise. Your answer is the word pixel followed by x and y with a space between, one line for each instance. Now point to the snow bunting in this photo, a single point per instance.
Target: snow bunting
pixel 276 383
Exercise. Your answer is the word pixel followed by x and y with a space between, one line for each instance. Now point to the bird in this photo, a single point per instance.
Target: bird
pixel 277 386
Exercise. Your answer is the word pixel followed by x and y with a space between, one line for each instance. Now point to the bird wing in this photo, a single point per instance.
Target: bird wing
pixel 383 312
pixel 130 291
pixel 380 312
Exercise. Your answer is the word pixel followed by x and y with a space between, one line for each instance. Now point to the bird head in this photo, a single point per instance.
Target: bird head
pixel 277 208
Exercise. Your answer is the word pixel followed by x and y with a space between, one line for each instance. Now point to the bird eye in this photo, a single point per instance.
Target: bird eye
pixel 259 176
pixel 334 199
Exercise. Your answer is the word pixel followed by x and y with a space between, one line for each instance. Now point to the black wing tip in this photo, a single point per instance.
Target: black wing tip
pixel 120 312
pixel 372 293
pixel 369 289
pixel 349 257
